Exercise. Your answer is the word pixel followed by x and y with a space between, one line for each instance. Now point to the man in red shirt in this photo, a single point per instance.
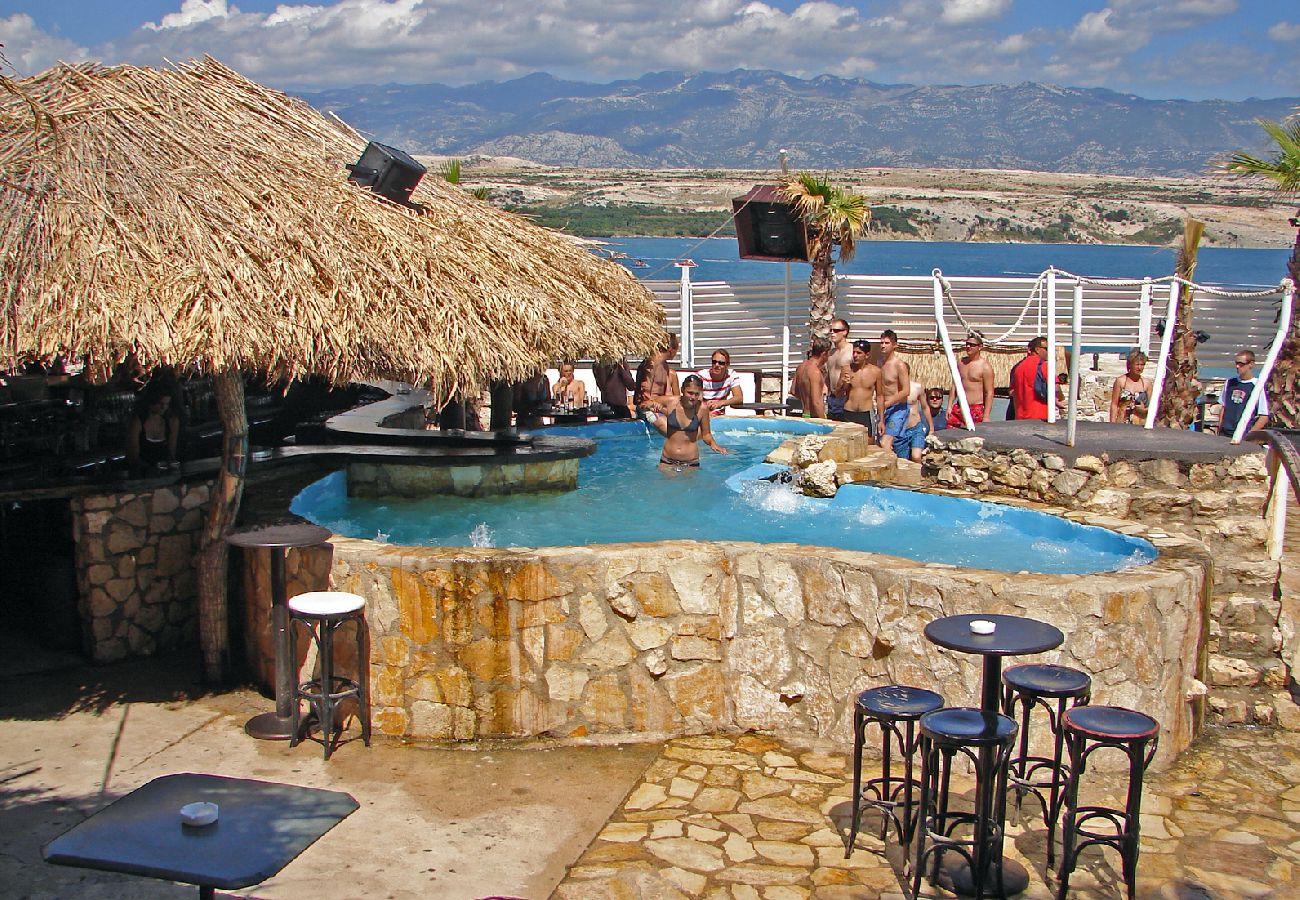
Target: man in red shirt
pixel 1023 397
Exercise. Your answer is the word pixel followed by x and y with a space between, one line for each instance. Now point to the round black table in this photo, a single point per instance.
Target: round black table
pixel 278 725
pixel 1012 636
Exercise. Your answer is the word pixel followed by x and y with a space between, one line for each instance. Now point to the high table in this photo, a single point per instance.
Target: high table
pixel 278 725
pixel 1012 636
pixel 262 826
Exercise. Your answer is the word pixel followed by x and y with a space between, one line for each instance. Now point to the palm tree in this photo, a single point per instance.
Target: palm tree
pixel 835 217
pixel 1282 169
pixel 1178 399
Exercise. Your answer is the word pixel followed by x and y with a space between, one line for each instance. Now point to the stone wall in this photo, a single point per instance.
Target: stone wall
pixel 135 569
pixel 684 637
pixel 1220 503
pixel 488 479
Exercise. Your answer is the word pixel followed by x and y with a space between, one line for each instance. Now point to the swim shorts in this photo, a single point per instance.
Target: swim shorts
pixel 896 419
pixel 954 415
pixel 865 417
pixel 835 408
pixel 911 439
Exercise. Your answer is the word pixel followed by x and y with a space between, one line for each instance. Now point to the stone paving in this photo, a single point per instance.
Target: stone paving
pixel 747 818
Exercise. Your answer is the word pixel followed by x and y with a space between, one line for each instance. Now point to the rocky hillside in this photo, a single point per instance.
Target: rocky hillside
pixel 740 119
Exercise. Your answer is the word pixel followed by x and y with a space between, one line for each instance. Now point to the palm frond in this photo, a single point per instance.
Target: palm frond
pixel 1282 168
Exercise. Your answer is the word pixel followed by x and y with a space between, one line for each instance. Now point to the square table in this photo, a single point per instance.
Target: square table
pixel 262 827
pixel 1012 636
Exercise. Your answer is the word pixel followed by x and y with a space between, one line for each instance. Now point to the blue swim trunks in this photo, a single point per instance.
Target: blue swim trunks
pixel 896 419
pixel 911 439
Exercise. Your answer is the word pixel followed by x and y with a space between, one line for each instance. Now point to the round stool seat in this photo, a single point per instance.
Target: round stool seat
pixel 322 604
pixel 1047 680
pixel 1111 723
pixel 964 725
pixel 898 701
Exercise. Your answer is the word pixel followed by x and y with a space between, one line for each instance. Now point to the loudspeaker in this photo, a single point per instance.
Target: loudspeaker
pixel 387 171
pixel 767 226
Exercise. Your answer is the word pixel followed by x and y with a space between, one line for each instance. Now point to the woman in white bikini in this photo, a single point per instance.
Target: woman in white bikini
pixel 1131 396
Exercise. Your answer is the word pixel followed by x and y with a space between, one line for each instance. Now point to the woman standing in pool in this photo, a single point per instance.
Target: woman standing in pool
pixel 684 424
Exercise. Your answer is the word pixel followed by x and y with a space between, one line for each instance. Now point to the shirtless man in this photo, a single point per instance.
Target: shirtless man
pixel 809 383
pixel 895 387
pixel 865 401
pixel 837 370
pixel 656 381
pixel 977 378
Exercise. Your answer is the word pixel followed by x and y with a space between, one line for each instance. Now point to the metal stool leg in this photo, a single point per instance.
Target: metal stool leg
pixel 325 643
pixel 363 677
pixel 859 726
pixel 295 736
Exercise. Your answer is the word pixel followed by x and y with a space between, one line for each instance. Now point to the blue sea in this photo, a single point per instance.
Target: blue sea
pixel 717 259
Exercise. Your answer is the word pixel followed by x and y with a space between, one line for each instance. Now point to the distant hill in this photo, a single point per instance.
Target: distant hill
pixel 740 119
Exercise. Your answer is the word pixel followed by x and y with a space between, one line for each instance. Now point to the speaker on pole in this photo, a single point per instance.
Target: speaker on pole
pixel 387 171
pixel 767 226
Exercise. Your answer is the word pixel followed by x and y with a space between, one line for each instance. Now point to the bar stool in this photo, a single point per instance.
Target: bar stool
pixel 889 707
pixel 986 739
pixel 1034 685
pixel 1089 728
pixel 322 613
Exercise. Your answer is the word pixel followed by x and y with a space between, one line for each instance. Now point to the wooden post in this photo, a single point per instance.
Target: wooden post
pixel 223 508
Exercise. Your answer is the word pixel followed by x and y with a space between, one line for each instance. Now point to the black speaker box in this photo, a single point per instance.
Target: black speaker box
pixel 767 226
pixel 387 171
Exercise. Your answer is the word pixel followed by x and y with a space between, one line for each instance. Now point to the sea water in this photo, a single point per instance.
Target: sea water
pixel 717 259
pixel 624 496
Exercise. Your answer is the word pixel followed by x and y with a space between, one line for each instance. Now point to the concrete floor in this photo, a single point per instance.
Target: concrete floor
pixel 464 822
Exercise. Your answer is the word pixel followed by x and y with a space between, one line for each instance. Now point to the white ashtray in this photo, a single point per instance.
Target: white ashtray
pixel 982 626
pixel 199 814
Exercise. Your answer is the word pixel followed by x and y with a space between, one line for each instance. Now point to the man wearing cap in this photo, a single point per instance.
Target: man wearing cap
pixel 977 378
pixel 864 402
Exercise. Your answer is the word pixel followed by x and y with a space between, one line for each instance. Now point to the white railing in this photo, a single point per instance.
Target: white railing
pixel 750 319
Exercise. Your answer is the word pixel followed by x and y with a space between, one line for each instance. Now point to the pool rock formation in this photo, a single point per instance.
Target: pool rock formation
pixel 650 640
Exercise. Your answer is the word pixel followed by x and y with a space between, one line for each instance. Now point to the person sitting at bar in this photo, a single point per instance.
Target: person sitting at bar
pixel 531 398
pixel 615 381
pixel 570 392
pixel 721 385
pixel 153 432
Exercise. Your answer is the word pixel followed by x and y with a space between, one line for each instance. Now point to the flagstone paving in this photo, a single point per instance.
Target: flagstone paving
pixel 748 818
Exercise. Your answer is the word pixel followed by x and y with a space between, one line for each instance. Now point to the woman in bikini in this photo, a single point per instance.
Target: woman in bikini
pixel 684 425
pixel 1131 396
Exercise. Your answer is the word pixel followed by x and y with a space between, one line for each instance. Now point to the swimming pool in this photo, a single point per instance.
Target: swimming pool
pixel 622 497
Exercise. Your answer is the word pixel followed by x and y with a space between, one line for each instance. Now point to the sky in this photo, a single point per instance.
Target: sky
pixel 1191 49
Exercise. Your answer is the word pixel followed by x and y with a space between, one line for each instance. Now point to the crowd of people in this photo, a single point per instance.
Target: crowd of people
pixel 841 379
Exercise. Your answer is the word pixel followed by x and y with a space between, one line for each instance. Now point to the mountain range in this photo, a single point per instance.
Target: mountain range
pixel 740 119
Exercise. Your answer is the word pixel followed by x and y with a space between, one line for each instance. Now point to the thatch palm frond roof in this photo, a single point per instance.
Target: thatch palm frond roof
pixel 194 217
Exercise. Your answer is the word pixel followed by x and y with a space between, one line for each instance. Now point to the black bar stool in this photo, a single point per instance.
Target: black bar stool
pixel 322 613
pixel 889 707
pixel 986 739
pixel 1028 686
pixel 1089 728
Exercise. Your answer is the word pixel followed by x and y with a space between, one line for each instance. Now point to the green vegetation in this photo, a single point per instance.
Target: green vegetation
pixel 628 220
pixel 1163 232
pixel 899 221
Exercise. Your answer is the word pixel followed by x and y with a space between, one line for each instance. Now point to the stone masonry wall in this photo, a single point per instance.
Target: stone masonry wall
pixel 650 640
pixel 135 569
pixel 1219 503
pixel 488 479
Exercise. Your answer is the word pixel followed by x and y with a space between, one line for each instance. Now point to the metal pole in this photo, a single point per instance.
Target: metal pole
pixel 1283 323
pixel 687 351
pixel 785 309
pixel 958 390
pixel 1166 339
pixel 1076 350
pixel 1051 345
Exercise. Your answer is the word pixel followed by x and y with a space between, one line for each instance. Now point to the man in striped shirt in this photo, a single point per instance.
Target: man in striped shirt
pixel 721 385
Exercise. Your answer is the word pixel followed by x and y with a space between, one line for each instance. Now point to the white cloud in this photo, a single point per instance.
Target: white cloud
pixel 192 12
pixel 966 12
pixel 1285 31
pixel 31 50
pixel 310 44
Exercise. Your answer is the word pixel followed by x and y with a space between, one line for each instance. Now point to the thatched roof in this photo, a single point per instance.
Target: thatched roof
pixel 197 218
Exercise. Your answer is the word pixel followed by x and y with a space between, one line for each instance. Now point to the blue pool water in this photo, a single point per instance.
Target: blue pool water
pixel 622 496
